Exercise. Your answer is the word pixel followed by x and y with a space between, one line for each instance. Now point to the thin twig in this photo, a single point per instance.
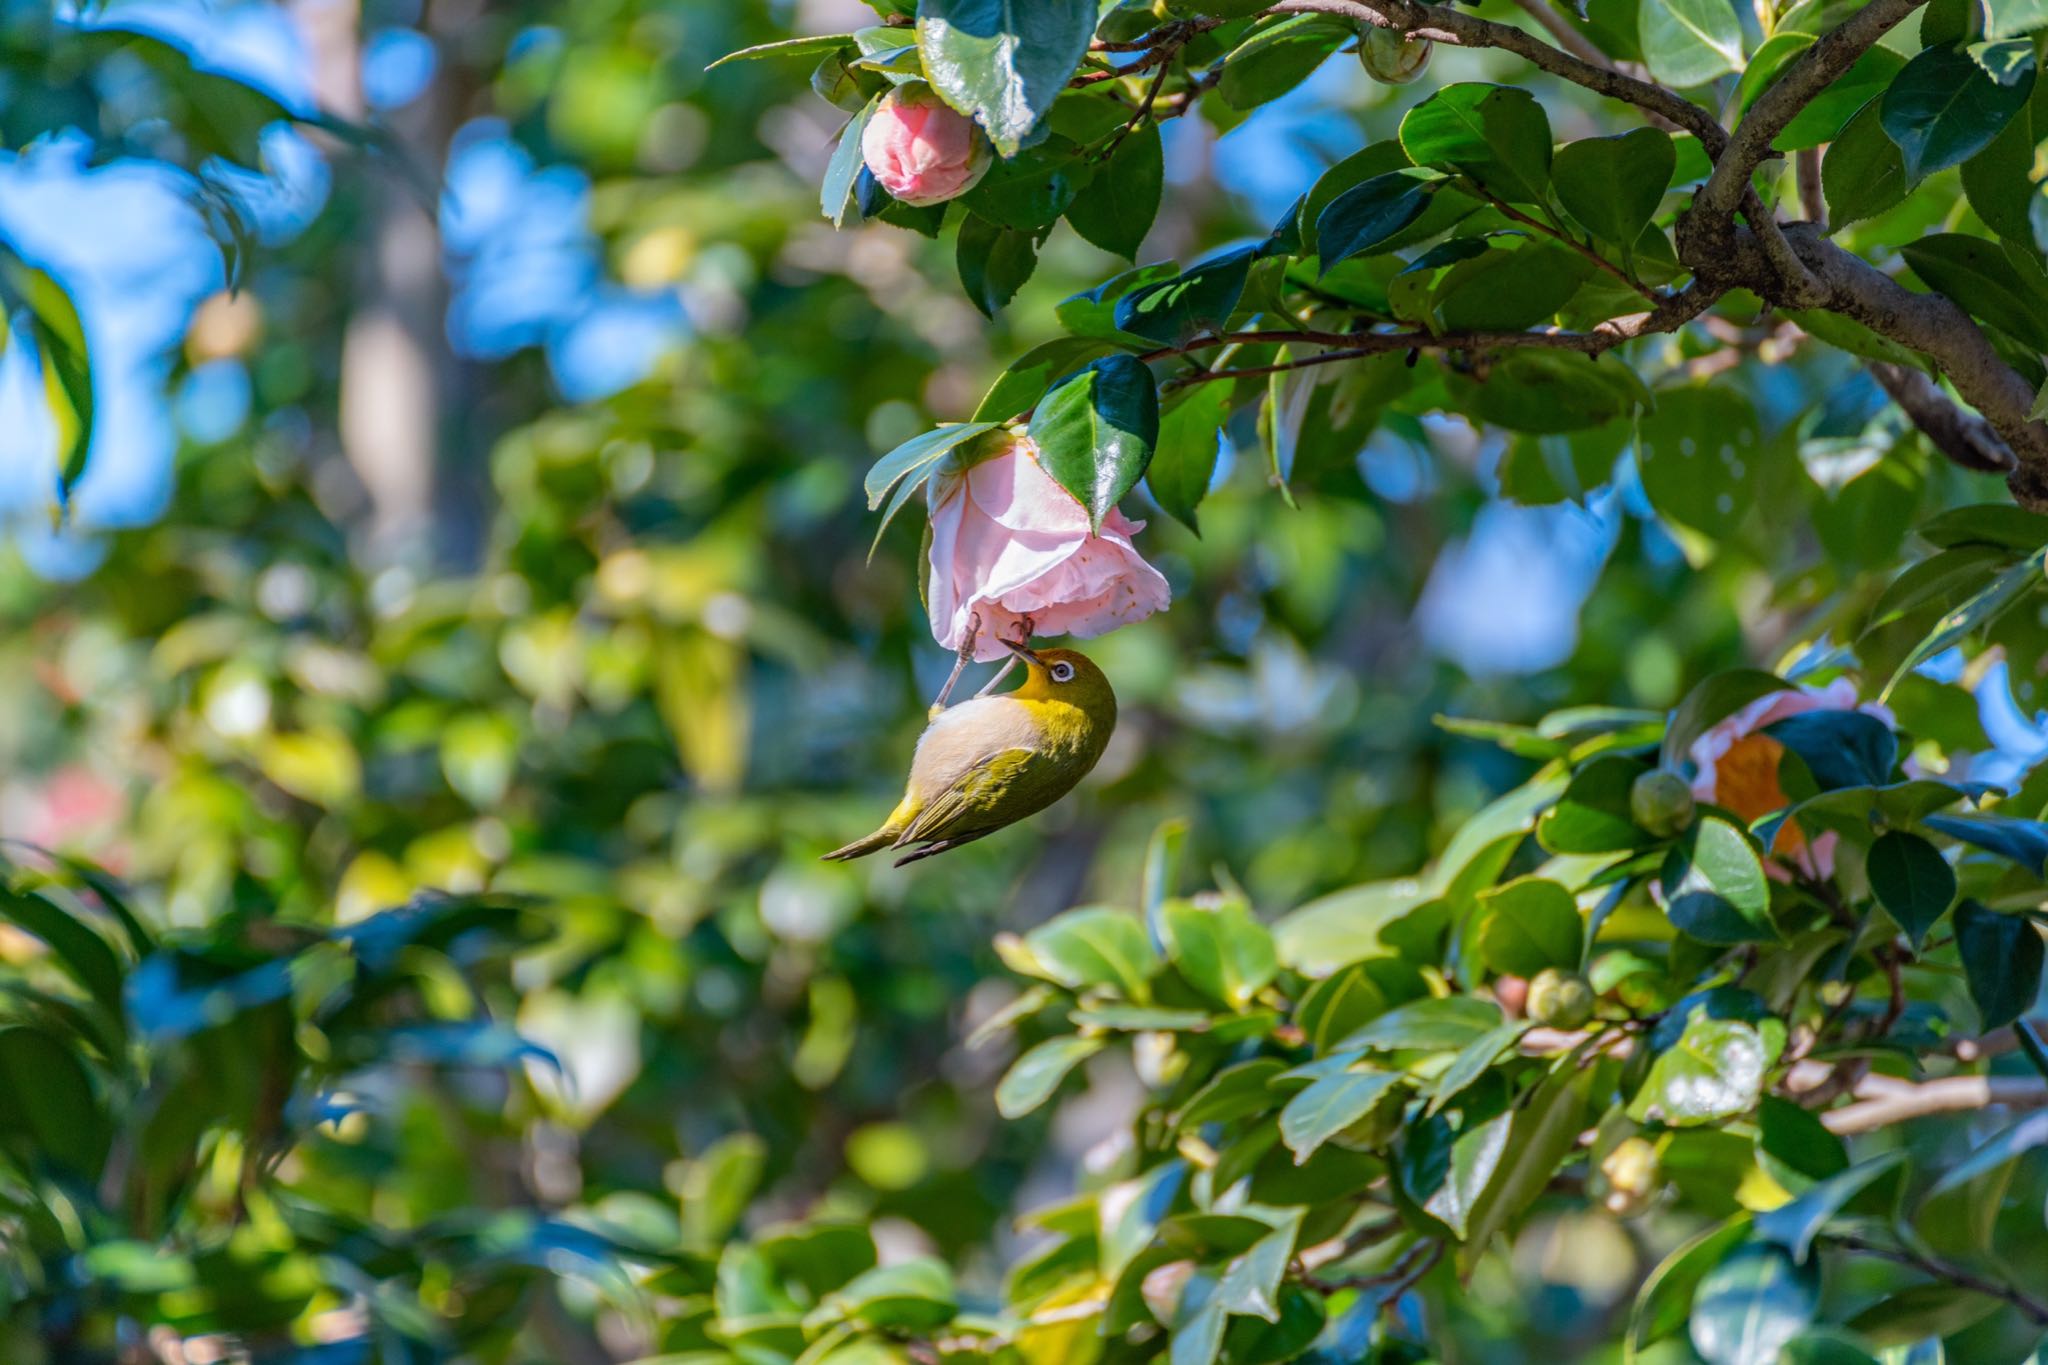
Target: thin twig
pixel 2029 1306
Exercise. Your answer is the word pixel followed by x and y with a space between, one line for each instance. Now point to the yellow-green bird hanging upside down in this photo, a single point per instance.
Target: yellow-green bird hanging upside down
pixel 990 762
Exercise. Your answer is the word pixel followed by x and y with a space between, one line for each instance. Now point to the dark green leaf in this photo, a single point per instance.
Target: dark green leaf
pixel 1198 300
pixel 1190 436
pixel 1003 61
pixel 51 1109
pixel 1713 699
pixel 1096 431
pixel 1714 886
pixel 1593 814
pixel 2002 956
pixel 1840 748
pixel 1546 391
pixel 1277 57
pixel 1473 1061
pixel 2022 841
pixel 1116 210
pixel 1794 1147
pixel 1863 172
pixel 1701 453
pixel 1613 185
pixel 1945 108
pixel 1983 282
pixel 1664 1303
pixel 1497 134
pixel 1751 1304
pixel 1329 1106
pixel 994 262
pixel 1233 1093
pixel 1369 214
pixel 1920 1312
pixel 1445 1024
pixel 1913 882
pixel 1529 924
pixel 1031 190
pixel 913 1295
pixel 1986 523
pixel 1019 388
pixel 1542 1136
pixel 1793 1226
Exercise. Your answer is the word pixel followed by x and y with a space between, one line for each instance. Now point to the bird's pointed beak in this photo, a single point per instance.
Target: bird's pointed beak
pixel 1023 652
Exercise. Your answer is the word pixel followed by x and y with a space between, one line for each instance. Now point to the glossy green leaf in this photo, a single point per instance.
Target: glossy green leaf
pixel 1117 208
pixel 1182 307
pixel 2024 842
pixel 1593 814
pixel 1233 1093
pixel 1369 214
pixel 1711 700
pixel 1473 1061
pixel 2002 958
pixel 1033 1077
pixel 1690 42
pixel 1096 431
pixel 811 45
pixel 1018 389
pixel 51 1113
pixel 1096 947
pixel 1913 882
pixel 1277 57
pixel 1945 108
pixel 993 262
pixel 1983 281
pixel 1003 61
pixel 1794 1226
pixel 1756 1300
pixel 1190 438
pixel 1714 886
pixel 1433 1025
pixel 835 194
pixel 1664 1304
pixel 1614 185
pixel 1863 172
pixel 1496 134
pixel 1712 1056
pixel 910 1295
pixel 1329 1106
pixel 1701 454
pixel 1527 925
pixel 1222 950
pixel 1543 1134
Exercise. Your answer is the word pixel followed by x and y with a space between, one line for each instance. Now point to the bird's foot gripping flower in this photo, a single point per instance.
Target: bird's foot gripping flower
pixel 1737 767
pixel 921 150
pixel 1009 546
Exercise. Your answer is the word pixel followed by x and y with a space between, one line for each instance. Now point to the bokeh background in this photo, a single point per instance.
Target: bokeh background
pixel 502 531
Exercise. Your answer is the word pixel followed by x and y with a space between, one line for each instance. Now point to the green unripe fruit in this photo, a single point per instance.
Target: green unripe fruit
pixel 1390 58
pixel 1626 1177
pixel 1560 999
pixel 1128 22
pixel 1661 803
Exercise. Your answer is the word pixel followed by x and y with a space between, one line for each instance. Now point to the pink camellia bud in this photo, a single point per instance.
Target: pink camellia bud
pixel 1008 542
pixel 1738 769
pixel 921 150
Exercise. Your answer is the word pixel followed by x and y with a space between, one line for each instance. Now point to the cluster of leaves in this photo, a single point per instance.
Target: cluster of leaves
pixel 1470 235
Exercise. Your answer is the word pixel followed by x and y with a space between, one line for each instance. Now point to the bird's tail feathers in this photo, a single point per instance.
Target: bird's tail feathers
pixel 860 848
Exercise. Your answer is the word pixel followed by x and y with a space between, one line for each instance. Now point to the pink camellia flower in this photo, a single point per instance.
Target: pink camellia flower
pixel 1008 542
pixel 921 149
pixel 1738 768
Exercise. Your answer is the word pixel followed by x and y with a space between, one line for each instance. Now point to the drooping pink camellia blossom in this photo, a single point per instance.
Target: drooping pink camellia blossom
pixel 1008 542
pixel 1738 768
pixel 921 149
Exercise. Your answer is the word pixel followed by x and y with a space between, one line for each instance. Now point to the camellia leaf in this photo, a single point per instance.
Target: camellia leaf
pixel 2021 841
pixel 1190 437
pixel 787 47
pixel 1752 1303
pixel 1863 173
pixel 1447 1024
pixel 1690 42
pixel 994 262
pixel 1913 882
pixel 66 362
pixel 51 1114
pixel 1329 1106
pixel 1098 946
pixel 1794 1226
pixel 1712 1053
pixel 1497 134
pixel 1096 431
pixel 2002 958
pixel 1033 1077
pixel 1664 1303
pixel 1277 57
pixel 1713 699
pixel 1593 814
pixel 1714 886
pixel 1983 281
pixel 1199 299
pixel 1614 184
pixel 1019 388
pixel 1945 108
pixel 1701 454
pixel 835 193
pixel 1223 951
pixel 1529 924
pixel 1003 62
pixel 1370 213
pixel 1116 209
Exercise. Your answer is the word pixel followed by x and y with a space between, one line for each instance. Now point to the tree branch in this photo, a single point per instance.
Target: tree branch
pixel 1965 438
pixel 1442 24
pixel 2027 1304
pixel 1811 72
pixel 1882 1101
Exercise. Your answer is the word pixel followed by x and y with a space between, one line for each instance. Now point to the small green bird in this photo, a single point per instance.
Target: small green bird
pixel 990 762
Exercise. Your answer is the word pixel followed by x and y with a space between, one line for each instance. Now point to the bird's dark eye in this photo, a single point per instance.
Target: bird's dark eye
pixel 1062 672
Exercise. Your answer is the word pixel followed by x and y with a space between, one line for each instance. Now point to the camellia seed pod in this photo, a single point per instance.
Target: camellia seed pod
pixel 1560 999
pixel 1390 58
pixel 1661 803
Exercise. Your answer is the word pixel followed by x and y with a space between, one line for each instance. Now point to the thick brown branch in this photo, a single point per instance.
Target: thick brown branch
pixel 1440 23
pixel 1963 437
pixel 1810 73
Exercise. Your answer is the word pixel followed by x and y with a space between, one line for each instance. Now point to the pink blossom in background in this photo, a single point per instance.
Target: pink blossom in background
pixel 74 809
pixel 1738 767
pixel 1008 542
pixel 921 150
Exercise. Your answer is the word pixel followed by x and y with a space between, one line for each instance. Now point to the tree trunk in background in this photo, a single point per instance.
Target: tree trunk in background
pixel 397 370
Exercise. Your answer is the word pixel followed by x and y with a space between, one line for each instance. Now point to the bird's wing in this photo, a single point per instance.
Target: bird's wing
pixel 976 791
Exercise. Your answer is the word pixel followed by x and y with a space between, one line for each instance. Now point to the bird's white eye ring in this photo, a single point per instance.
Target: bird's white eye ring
pixel 1063 671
